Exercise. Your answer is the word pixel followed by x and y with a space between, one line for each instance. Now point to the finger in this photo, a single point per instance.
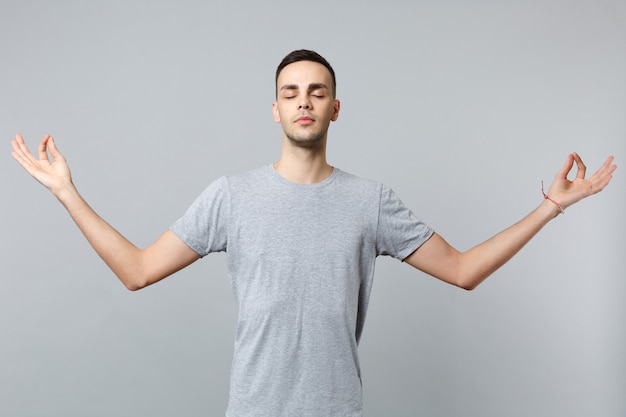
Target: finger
pixel 581 169
pixel 607 165
pixel 43 148
pixel 54 151
pixel 21 150
pixel 18 142
pixel 567 167
pixel 603 176
pixel 605 169
pixel 22 155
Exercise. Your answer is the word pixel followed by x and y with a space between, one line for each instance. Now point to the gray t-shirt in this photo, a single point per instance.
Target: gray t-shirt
pixel 301 262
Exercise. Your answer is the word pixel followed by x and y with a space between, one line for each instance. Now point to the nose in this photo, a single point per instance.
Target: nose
pixel 304 104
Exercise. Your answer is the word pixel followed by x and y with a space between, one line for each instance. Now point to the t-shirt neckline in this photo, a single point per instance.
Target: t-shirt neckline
pixel 276 176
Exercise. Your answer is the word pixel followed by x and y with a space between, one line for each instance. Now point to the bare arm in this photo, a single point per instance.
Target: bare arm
pixel 468 269
pixel 135 267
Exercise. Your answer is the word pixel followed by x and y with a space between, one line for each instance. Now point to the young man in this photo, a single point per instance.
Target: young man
pixel 302 238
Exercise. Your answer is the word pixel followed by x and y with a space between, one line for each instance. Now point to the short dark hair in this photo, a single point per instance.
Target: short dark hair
pixel 305 55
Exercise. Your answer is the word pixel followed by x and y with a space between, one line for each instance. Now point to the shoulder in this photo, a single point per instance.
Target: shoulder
pixel 224 185
pixel 369 189
pixel 257 175
pixel 234 182
pixel 347 179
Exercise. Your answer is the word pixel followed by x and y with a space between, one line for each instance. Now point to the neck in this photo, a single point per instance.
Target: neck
pixel 303 165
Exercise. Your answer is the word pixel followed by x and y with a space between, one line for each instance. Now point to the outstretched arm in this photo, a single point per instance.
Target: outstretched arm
pixel 468 269
pixel 136 268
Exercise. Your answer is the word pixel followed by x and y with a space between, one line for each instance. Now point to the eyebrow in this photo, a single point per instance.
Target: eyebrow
pixel 312 86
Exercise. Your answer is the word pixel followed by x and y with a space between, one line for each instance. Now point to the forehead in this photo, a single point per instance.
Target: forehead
pixel 304 73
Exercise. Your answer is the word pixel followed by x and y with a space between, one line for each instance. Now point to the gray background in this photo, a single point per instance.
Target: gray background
pixel 463 107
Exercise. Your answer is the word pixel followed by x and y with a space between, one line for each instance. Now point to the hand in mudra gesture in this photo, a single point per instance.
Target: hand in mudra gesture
pixel 565 192
pixel 53 174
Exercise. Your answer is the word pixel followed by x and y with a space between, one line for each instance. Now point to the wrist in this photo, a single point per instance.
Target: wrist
pixel 549 209
pixel 556 204
pixel 65 192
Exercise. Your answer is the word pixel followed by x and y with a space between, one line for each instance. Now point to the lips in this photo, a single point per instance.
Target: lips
pixel 304 120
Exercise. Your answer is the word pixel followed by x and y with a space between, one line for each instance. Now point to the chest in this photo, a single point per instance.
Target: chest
pixel 309 222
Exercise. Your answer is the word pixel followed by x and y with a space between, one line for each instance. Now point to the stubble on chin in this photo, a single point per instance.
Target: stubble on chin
pixel 309 140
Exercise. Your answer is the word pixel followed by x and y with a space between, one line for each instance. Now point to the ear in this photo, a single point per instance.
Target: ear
pixel 335 113
pixel 275 112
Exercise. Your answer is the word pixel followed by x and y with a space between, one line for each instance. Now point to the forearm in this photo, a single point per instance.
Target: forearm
pixel 476 264
pixel 118 253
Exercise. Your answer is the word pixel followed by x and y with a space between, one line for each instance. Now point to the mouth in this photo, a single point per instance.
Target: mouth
pixel 304 120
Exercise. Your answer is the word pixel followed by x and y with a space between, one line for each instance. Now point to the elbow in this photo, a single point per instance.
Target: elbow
pixel 133 283
pixel 132 287
pixel 468 276
pixel 467 287
pixel 468 282
pixel 132 272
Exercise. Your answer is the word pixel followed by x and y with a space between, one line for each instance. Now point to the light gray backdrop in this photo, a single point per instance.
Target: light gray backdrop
pixel 463 107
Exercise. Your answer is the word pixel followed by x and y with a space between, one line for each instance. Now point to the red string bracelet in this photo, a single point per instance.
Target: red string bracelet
pixel 548 198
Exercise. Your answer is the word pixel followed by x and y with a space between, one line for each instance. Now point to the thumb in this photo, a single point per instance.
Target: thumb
pixel 54 151
pixel 567 167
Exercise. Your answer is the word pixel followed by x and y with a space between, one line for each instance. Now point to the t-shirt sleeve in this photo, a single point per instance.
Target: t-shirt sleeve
pixel 204 225
pixel 399 232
